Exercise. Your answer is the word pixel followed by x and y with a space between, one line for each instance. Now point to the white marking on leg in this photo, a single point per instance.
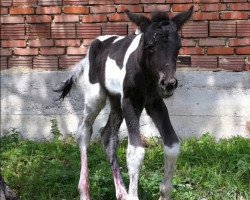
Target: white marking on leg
pixel 135 156
pixel 121 192
pixel 170 157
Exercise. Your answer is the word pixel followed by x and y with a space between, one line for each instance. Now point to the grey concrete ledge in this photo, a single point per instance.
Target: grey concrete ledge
pixel 214 102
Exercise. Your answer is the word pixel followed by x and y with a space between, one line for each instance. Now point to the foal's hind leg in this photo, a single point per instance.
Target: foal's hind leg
pixel 94 102
pixel 110 140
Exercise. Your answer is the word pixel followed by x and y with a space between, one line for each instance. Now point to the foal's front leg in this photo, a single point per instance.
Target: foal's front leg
pixel 159 113
pixel 135 150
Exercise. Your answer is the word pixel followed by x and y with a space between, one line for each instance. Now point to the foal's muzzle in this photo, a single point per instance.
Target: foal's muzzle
pixel 167 87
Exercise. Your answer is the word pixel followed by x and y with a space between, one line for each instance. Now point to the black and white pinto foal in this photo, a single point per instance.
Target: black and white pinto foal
pixel 134 72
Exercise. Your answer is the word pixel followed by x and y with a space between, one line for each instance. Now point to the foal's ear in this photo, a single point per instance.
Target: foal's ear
pixel 141 21
pixel 182 18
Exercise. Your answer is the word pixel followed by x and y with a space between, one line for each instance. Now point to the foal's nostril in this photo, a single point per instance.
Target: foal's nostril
pixel 172 84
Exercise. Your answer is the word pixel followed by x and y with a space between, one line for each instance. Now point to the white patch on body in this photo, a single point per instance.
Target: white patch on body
pixel 137 31
pixel 114 76
pixel 119 38
pixel 105 37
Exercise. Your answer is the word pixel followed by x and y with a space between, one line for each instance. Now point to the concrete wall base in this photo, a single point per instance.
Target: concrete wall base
pixel 214 102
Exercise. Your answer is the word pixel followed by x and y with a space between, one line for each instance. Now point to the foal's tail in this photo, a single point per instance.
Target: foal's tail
pixel 76 73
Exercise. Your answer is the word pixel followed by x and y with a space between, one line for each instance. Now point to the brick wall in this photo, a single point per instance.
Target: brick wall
pixel 55 34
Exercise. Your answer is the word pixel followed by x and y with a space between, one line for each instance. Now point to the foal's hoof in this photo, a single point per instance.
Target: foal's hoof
pixel 122 195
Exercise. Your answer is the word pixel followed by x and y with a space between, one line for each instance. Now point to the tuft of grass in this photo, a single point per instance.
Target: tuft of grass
pixel 206 169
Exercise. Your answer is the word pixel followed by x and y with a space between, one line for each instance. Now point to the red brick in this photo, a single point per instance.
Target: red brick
pixel 115 17
pixel 45 62
pixel 102 9
pixel 34 31
pixel 3 62
pixel 38 19
pixel 24 2
pixel 213 7
pixel 220 50
pixel 191 51
pixel 188 43
pixel 49 10
pixel 183 7
pixel 234 1
pixel 206 16
pixel 14 31
pixel 222 29
pixel 153 8
pixel 243 28
pixel 235 63
pixel 13 43
pixel 21 11
pixel 6 52
pixel 117 29
pixel 240 6
pixel 67 62
pixel 234 15
pixel 127 1
pixel 87 42
pixel 243 50
pixel 239 42
pixel 94 18
pixel 41 43
pixel 20 62
pixel 101 2
pixel 150 1
pixel 212 42
pixel 75 2
pixel 63 31
pixel 206 1
pixel 12 19
pixel 6 2
pixel 50 2
pixel 76 51
pixel 26 51
pixel 76 10
pixel 132 8
pixel 66 18
pixel 68 43
pixel 4 11
pixel 204 62
pixel 179 1
pixel 87 31
pixel 195 29
pixel 52 51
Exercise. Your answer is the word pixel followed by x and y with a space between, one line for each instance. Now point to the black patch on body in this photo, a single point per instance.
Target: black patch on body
pixel 97 57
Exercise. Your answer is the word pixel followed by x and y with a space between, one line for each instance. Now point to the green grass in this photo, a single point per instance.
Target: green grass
pixel 206 169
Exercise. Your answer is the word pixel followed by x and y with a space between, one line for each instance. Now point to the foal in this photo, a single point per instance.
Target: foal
pixel 134 72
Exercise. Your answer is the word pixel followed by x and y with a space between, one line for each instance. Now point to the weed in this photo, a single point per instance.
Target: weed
pixel 206 169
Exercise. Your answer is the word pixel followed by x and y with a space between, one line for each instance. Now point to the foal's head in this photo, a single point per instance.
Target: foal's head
pixel 161 46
